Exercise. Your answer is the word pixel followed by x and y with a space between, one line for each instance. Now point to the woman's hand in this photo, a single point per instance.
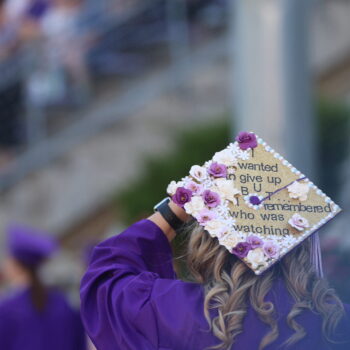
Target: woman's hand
pixel 158 219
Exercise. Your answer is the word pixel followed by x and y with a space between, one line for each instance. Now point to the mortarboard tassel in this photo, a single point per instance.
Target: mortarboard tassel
pixel 316 258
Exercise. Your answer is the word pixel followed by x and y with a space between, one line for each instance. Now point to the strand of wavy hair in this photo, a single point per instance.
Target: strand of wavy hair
pixel 229 285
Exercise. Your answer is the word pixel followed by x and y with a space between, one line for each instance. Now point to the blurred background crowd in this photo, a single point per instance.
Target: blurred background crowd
pixel 61 53
pixel 103 103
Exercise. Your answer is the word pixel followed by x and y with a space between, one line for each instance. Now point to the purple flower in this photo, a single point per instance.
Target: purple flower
pixel 182 196
pixel 242 249
pixel 211 199
pixel 255 200
pixel 254 241
pixel 271 250
pixel 246 140
pixel 205 215
pixel 217 170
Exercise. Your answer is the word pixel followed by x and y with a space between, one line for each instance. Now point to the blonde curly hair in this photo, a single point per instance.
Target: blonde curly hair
pixel 229 285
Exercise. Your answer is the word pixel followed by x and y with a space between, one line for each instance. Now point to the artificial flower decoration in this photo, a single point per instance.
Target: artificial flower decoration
pixel 271 250
pixel 194 206
pixel 194 187
pixel 254 241
pixel 298 222
pixel 242 249
pixel 216 228
pixel 231 239
pixel 205 215
pixel 246 140
pixel 256 258
pixel 182 196
pixel 211 198
pixel 298 190
pixel 226 157
pixel 253 201
pixel 198 173
pixel 227 190
pixel 172 187
pixel 217 170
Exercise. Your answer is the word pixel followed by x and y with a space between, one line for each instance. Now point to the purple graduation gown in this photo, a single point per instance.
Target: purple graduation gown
pixel 22 327
pixel 131 300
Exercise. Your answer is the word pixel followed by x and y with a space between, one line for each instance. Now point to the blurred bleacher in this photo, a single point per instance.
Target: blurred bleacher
pixel 62 58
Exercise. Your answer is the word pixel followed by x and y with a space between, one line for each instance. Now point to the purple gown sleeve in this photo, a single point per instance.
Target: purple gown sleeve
pixel 125 273
pixel 5 324
pixel 80 341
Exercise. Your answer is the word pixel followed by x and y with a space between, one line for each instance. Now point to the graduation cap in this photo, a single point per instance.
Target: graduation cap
pixel 257 204
pixel 30 246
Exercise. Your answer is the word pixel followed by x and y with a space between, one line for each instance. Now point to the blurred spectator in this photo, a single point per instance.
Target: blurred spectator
pixel 62 75
pixel 15 9
pixel 31 17
pixel 195 6
pixel 35 317
pixel 10 88
pixel 37 9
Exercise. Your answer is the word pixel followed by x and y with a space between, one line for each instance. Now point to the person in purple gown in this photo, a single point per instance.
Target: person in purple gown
pixel 131 298
pixel 35 317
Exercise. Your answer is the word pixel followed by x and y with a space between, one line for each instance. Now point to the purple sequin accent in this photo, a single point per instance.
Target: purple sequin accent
pixel 255 200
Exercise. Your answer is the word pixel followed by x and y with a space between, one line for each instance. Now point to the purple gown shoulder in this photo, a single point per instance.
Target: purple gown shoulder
pixel 57 327
pixel 132 300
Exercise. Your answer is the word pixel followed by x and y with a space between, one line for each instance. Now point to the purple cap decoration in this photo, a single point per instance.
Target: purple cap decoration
pixel 255 203
pixel 30 246
pixel 255 200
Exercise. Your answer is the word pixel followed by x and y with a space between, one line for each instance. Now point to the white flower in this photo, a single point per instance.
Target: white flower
pixel 225 157
pixel 227 190
pixel 243 155
pixel 231 170
pixel 230 240
pixel 207 183
pixel 234 148
pixel 172 187
pixel 216 228
pixel 199 173
pixel 298 190
pixel 230 221
pixel 194 206
pixel 298 222
pixel 222 211
pixel 256 257
pixel 239 153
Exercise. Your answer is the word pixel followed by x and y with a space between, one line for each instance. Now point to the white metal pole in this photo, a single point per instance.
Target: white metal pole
pixel 270 76
pixel 299 128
